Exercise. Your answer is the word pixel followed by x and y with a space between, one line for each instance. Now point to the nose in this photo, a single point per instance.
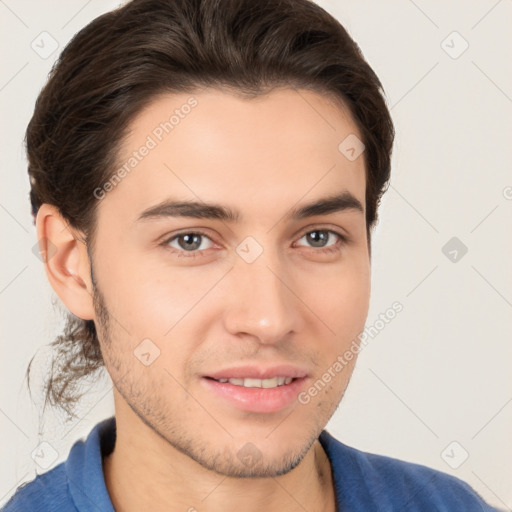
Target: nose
pixel 262 302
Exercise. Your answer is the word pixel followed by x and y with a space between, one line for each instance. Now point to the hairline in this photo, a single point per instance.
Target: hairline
pixel 335 98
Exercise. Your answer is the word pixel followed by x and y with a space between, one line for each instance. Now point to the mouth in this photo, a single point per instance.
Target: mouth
pixel 253 389
pixel 248 382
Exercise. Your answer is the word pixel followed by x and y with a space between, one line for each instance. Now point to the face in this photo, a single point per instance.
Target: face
pixel 221 322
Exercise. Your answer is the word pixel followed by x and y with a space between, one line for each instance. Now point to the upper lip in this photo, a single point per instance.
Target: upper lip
pixel 258 372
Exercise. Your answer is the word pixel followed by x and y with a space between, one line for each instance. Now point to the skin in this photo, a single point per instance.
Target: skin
pixel 177 441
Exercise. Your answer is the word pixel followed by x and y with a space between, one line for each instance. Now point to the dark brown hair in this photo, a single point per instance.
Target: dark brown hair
pixel 116 66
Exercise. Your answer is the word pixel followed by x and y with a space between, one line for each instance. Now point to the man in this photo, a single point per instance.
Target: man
pixel 205 176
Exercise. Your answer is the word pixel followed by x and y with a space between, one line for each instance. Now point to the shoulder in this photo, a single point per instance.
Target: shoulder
pixel 387 483
pixel 47 492
pixel 75 484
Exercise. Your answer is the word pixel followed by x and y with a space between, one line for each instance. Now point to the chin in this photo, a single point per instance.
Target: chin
pixel 248 455
pixel 250 462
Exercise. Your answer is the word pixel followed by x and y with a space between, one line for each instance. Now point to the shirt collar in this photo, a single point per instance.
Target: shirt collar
pixel 84 469
pixel 86 479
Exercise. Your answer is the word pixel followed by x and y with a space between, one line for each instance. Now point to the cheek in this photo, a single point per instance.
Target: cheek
pixel 341 298
pixel 169 307
pixel 152 299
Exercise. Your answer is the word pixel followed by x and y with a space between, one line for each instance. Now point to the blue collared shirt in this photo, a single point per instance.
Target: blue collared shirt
pixel 363 482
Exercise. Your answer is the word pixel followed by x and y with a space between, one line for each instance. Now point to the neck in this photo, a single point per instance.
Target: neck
pixel 144 472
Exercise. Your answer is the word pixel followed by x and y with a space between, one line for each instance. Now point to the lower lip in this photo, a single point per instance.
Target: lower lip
pixel 264 400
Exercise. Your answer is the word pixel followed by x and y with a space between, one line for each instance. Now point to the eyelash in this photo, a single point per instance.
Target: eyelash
pixel 193 254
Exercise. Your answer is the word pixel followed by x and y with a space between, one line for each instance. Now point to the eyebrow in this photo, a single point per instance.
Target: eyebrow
pixel 201 210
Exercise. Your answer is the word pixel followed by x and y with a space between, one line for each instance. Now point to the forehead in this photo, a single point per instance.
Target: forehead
pixel 253 153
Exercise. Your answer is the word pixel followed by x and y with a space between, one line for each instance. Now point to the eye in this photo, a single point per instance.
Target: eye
pixel 192 242
pixel 195 243
pixel 324 239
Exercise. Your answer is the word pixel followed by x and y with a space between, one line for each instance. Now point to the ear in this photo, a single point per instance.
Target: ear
pixel 66 261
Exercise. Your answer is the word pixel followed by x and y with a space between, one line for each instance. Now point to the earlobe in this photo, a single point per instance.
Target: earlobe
pixel 66 261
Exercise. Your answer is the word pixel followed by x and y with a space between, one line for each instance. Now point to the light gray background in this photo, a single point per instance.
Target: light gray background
pixel 436 381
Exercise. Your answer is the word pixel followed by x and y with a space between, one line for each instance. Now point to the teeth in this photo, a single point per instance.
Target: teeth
pixel 259 383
